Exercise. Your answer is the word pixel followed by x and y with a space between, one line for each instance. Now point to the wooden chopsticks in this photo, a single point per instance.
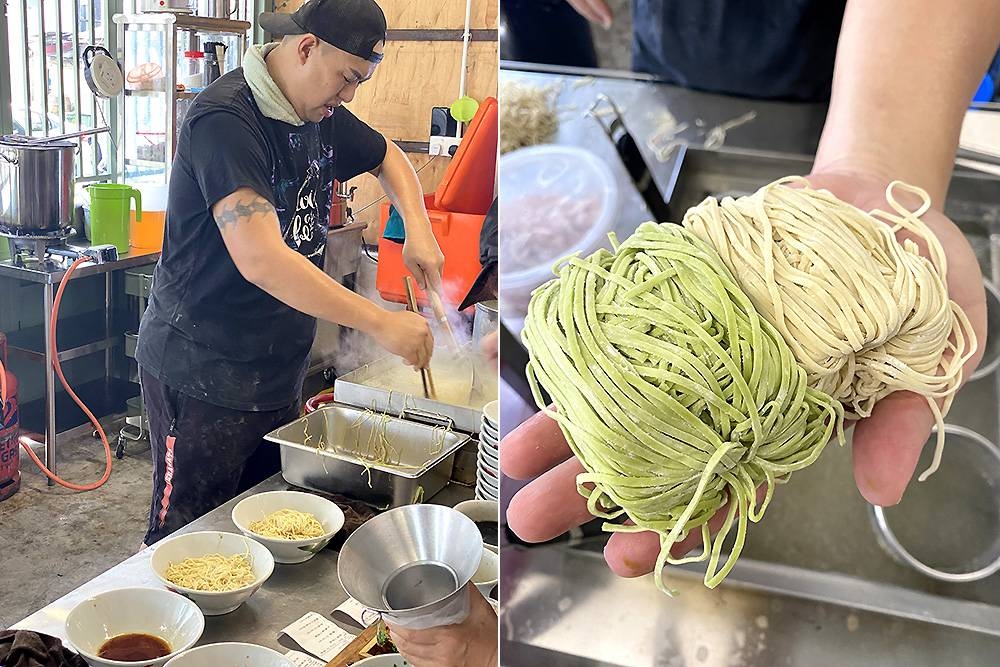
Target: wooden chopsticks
pixel 425 373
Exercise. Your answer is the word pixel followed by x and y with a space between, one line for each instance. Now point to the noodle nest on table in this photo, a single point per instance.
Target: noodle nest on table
pixel 288 524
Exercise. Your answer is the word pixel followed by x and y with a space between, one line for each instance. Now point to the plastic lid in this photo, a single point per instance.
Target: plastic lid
pixel 554 201
pixel 194 54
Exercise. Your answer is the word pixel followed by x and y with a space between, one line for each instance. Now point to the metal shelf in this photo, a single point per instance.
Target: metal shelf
pixel 143 92
pixel 181 95
pixel 160 37
pixel 75 338
pixel 103 397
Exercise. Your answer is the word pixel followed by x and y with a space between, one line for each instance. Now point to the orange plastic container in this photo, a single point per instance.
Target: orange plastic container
pixel 148 233
pixel 458 236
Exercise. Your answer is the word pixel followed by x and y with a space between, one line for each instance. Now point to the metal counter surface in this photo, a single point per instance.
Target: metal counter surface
pixel 53 274
pixel 290 592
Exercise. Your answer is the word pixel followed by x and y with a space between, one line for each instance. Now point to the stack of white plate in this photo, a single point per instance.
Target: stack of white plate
pixel 488 470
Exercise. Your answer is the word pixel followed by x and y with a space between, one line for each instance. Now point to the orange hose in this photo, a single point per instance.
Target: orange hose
pixel 76 399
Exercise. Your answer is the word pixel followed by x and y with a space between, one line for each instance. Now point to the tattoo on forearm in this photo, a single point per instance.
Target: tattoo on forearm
pixel 242 210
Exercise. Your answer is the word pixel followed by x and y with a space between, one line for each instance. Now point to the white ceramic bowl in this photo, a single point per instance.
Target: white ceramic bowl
pixel 491 414
pixel 387 660
pixel 478 510
pixel 489 460
pixel 488 474
pixel 193 545
pixel 488 431
pixel 231 654
pixel 481 510
pixel 488 573
pixel 151 611
pixel 486 442
pixel 258 506
pixel 488 487
pixel 484 492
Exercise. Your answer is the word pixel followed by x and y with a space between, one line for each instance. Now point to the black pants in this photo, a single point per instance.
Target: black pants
pixel 203 454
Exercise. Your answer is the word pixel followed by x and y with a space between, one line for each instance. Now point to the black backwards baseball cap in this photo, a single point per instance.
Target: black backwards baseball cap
pixel 355 26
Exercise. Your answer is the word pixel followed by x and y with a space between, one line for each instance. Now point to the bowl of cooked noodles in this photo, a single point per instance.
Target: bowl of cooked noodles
pixel 217 571
pixel 294 526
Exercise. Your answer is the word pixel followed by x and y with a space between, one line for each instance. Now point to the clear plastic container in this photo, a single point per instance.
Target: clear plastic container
pixel 194 69
pixel 554 201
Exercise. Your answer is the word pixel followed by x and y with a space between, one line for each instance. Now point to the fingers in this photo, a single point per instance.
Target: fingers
pixel 634 554
pixel 595 11
pixel 549 506
pixel 432 277
pixel 533 447
pixel 427 350
pixel 421 277
pixel 888 444
pixel 490 347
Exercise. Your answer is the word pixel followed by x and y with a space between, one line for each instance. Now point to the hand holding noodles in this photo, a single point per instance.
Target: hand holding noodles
pixel 622 438
pixel 671 389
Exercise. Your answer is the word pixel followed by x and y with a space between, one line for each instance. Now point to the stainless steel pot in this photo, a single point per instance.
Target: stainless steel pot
pixel 36 185
pixel 220 9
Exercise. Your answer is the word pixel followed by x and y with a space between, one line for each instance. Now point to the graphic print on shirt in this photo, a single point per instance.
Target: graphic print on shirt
pixel 301 234
pixel 303 222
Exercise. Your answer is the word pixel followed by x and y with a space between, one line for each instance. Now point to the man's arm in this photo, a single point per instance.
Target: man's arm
pixel 421 253
pixel 250 230
pixel 906 71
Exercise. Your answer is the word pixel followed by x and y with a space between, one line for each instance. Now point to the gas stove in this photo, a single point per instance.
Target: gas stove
pixel 51 251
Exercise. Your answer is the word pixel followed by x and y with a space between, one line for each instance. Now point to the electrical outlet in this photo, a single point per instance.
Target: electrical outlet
pixel 443 146
pixel 442 124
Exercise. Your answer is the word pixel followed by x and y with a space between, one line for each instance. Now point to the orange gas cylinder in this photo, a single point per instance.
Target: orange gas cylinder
pixel 458 236
pixel 10 460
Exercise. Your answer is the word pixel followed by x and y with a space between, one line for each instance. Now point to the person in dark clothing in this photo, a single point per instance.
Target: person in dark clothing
pixel 757 48
pixel 224 343
pixel 545 31
pixel 905 73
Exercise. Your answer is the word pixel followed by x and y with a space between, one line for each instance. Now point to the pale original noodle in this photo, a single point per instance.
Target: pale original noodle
pixel 288 524
pixel 212 572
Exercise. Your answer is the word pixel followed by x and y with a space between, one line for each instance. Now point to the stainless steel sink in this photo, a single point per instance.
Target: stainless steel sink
pixel 814 586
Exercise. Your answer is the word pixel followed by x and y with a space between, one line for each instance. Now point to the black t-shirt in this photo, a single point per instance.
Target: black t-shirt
pixel 207 331
pixel 769 49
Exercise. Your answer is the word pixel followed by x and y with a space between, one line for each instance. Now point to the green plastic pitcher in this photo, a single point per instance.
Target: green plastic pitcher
pixel 109 213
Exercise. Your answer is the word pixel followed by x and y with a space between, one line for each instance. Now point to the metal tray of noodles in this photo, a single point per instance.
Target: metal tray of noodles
pixel 374 457
pixel 387 385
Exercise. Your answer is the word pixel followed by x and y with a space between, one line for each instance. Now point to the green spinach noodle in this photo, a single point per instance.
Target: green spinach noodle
pixel 688 367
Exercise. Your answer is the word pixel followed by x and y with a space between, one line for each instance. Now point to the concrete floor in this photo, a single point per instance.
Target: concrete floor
pixel 52 540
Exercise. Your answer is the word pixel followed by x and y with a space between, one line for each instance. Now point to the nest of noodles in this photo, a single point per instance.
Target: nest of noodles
pixel 671 389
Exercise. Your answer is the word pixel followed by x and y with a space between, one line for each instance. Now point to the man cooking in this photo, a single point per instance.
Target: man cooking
pixel 224 344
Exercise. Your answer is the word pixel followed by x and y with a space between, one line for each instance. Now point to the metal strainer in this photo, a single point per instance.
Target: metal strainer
pixel 948 527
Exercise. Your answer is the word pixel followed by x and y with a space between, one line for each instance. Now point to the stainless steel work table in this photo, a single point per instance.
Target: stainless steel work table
pixel 290 592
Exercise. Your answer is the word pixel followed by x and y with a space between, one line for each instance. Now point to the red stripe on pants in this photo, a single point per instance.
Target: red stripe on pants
pixel 168 478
